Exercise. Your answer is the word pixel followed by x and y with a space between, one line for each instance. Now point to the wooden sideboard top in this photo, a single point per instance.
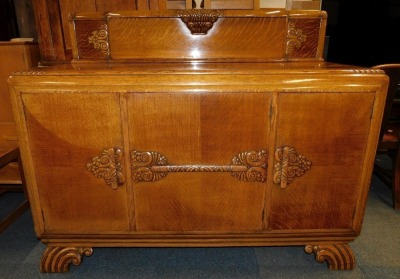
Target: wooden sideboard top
pixel 197 68
pixel 202 77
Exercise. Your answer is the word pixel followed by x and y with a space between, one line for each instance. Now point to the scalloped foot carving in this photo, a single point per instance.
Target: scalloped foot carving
pixel 58 259
pixel 338 257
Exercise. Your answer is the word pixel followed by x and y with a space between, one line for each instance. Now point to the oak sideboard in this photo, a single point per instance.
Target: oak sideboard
pixel 163 133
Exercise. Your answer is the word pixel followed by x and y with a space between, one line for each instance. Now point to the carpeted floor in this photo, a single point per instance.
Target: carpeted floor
pixel 377 252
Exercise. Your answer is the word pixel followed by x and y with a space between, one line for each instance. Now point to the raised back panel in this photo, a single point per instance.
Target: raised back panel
pixel 203 35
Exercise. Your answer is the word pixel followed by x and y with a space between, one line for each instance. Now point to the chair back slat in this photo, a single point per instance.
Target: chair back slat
pixel 391 116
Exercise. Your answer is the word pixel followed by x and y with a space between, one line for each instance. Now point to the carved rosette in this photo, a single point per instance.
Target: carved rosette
pixel 199 21
pixel 289 165
pixel 338 257
pixel 152 166
pixel 256 161
pixel 108 165
pixel 99 39
pixel 295 38
pixel 59 259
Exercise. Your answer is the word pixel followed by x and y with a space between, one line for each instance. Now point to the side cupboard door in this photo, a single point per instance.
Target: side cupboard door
pixel 75 145
pixel 321 142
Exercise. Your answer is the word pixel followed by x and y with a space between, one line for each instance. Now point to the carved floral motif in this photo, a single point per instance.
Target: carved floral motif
pixel 99 39
pixel 289 165
pixel 295 38
pixel 153 166
pixel 108 166
pixel 199 21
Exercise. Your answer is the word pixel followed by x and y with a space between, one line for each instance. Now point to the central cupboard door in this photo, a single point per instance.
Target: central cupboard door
pixel 198 160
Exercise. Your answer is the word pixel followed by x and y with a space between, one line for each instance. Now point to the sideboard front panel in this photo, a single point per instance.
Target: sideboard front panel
pixel 198 155
pixel 197 130
pixel 66 132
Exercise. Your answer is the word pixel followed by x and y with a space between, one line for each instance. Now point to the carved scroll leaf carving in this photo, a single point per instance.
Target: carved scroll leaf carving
pixel 152 166
pixel 289 165
pixel 142 163
pixel 295 38
pixel 108 165
pixel 338 257
pixel 99 39
pixel 199 21
pixel 59 259
pixel 256 161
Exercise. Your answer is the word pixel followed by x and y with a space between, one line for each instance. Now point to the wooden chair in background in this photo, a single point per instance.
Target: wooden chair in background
pixel 389 139
pixel 14 56
pixel 12 180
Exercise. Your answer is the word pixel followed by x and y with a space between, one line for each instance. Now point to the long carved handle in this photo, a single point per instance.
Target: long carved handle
pixel 108 165
pixel 247 166
pixel 152 166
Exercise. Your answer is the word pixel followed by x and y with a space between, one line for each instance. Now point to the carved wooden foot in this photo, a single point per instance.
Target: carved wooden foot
pixel 58 259
pixel 339 256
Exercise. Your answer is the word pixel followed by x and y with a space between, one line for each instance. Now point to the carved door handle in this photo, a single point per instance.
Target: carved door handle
pixel 289 165
pixel 108 165
pixel 152 166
